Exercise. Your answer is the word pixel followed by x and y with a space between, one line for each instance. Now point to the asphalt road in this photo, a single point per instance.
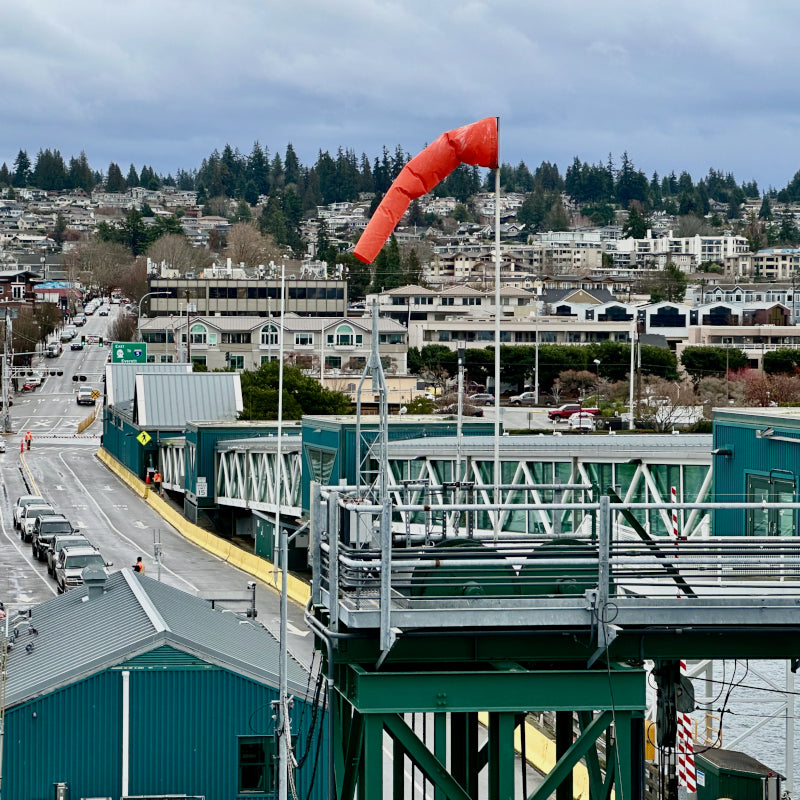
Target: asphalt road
pixel 63 468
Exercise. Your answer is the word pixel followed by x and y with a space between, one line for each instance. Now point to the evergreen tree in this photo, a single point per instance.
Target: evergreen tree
pixel 258 171
pixel 114 180
pixel 80 173
pixel 60 229
pixel 5 175
pixel 22 170
pixel 291 166
pixel 765 212
pixel 636 226
pixel 50 172
pixel 388 267
pixel 133 177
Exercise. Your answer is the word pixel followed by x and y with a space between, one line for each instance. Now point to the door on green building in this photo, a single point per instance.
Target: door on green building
pixel 770 521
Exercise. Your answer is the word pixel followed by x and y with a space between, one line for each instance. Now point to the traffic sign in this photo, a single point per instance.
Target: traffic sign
pixel 95 394
pixel 143 438
pixel 129 353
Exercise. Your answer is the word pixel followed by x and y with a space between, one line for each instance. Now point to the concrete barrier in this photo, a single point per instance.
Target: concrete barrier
pixel 296 589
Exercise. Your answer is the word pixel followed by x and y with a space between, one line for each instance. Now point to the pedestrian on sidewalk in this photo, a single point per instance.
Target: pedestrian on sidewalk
pixel 157 483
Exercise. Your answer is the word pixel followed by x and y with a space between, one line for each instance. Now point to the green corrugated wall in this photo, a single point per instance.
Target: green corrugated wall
pixel 184 725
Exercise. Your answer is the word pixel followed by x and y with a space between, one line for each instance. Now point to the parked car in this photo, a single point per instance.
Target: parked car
pixel 76 344
pixel 568 409
pixel 71 563
pixel 59 542
pixel 85 396
pixel 79 320
pixel 582 421
pixel 32 513
pixel 103 312
pixel 69 333
pixel 482 399
pixel 21 502
pixel 54 349
pixel 524 399
pixel 44 529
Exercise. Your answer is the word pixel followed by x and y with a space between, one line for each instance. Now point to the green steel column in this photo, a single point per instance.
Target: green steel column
pixel 464 751
pixel 501 756
pixel 440 746
pixel 637 756
pixel 564 736
pixel 622 731
pixel 592 761
pixel 370 784
pixel 398 769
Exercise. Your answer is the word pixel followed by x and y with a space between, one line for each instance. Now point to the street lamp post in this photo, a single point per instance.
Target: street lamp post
pixel 139 316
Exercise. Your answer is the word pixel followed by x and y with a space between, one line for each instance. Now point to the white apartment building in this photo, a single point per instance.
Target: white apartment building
pixel 772 264
pixel 339 346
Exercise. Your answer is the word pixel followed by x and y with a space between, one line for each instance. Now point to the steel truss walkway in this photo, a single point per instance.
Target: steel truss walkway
pixel 642 468
pixel 245 471
pixel 455 622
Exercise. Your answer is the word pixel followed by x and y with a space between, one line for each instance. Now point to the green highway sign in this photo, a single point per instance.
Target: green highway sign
pixel 129 353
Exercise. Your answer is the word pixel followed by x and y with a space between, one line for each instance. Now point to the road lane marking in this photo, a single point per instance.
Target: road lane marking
pixel 116 529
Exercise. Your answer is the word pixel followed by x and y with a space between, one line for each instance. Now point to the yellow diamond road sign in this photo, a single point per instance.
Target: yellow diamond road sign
pixel 143 438
pixel 95 394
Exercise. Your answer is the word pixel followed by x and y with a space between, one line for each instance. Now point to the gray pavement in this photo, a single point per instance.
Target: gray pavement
pixel 63 467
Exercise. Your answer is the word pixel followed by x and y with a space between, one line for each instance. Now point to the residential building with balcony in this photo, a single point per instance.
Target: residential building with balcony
pixel 331 347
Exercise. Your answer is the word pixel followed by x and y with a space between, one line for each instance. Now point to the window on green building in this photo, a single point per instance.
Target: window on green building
pixel 256 757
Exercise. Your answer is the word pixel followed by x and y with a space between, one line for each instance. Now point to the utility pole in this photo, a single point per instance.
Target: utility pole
pixel 8 357
pixel 188 334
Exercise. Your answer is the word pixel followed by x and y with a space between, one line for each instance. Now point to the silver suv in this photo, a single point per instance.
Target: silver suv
pixel 71 563
pixel 59 542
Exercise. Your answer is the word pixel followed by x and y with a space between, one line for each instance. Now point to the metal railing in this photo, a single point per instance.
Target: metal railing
pixel 607 558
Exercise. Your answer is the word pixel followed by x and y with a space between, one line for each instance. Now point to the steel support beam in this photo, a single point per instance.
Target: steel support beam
pixel 450 691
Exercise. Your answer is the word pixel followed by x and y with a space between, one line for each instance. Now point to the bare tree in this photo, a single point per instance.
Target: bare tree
pixel 177 253
pixel 123 329
pixel 669 403
pixel 100 264
pixel 246 244
pixel 133 282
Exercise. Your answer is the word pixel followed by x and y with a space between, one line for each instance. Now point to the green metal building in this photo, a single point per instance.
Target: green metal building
pixel 755 453
pixel 129 687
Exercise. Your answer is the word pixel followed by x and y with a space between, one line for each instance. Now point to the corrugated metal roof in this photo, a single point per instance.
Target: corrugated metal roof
pixel 120 378
pixel 653 447
pixel 170 401
pixel 77 637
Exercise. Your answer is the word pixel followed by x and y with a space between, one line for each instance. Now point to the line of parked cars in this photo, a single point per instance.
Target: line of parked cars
pixel 54 540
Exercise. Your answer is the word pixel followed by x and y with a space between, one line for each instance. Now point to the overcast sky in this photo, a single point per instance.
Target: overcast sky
pixel 679 85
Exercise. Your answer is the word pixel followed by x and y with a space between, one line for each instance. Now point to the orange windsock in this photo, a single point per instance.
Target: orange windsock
pixel 474 144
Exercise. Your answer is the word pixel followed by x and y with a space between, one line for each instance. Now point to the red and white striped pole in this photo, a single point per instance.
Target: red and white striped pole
pixel 674 493
pixel 686 771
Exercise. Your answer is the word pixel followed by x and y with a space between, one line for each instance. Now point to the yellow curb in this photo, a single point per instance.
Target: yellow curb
pixel 296 589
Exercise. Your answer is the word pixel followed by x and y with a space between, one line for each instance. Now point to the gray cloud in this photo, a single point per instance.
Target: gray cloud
pixel 678 85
